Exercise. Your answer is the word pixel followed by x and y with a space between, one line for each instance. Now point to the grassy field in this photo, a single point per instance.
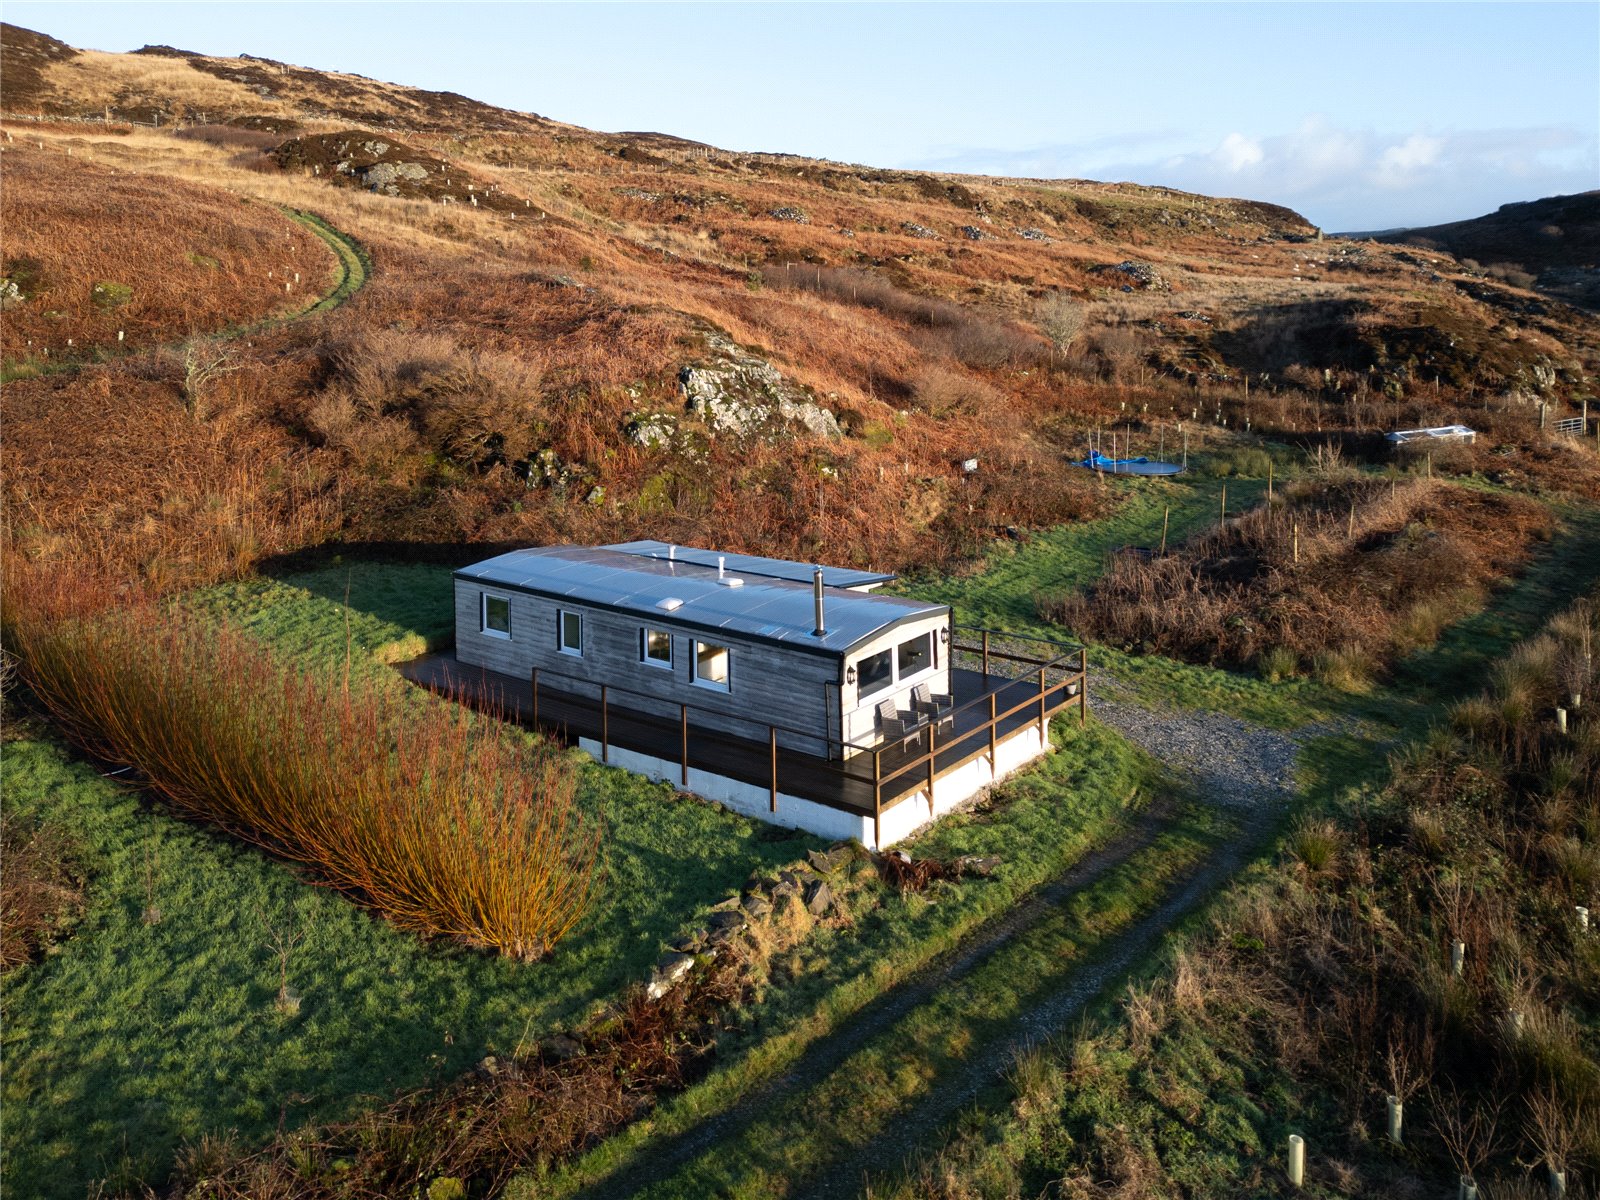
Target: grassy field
pixel 134 1036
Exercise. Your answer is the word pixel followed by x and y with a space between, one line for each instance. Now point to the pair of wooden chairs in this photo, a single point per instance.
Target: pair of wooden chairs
pixel 927 711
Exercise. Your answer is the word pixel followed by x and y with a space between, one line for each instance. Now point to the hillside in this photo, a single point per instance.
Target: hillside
pixel 1552 243
pixel 577 335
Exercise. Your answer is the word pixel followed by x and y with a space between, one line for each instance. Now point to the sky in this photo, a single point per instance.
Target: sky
pixel 1360 116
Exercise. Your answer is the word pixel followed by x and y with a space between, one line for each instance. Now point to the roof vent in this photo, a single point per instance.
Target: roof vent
pixel 731 581
pixel 669 604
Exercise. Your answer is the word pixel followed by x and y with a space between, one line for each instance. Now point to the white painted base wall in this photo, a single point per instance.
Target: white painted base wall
pixel 898 823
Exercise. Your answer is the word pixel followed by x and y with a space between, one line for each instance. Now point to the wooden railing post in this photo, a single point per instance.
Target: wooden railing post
pixel 933 755
pixel 605 727
pixel 683 740
pixel 1044 721
pixel 877 799
pixel 985 654
pixel 535 682
pixel 772 748
pixel 992 735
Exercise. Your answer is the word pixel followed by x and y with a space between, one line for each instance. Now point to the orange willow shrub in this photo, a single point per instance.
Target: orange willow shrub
pixel 440 823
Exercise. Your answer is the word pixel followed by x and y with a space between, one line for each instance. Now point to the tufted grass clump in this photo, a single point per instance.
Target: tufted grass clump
pixel 434 819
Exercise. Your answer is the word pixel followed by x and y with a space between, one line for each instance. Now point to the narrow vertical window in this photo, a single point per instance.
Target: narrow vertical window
pixel 655 648
pixel 570 632
pixel 496 616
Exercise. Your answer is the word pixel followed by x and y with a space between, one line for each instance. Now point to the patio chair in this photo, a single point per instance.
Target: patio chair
pixel 896 725
pixel 934 707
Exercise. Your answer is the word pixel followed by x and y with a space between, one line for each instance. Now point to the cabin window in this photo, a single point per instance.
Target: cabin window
pixel 874 673
pixel 570 632
pixel 711 665
pixel 655 647
pixel 915 656
pixel 496 616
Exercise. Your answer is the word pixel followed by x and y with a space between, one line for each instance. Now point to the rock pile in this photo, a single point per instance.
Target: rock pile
pixel 790 213
pixel 1034 235
pixel 740 393
pixel 973 234
pixel 1142 275
pixel 815 885
pixel 918 231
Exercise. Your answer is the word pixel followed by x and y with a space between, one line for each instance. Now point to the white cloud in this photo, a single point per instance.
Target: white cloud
pixel 1238 152
pixel 1340 178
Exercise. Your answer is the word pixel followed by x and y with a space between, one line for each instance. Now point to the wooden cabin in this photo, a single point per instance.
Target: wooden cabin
pixel 786 691
pixel 751 643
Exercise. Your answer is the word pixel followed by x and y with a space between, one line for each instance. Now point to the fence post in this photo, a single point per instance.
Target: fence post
pixel 683 740
pixel 1224 504
pixel 877 799
pixel 992 759
pixel 986 654
pixel 605 727
pixel 1166 515
pixel 772 748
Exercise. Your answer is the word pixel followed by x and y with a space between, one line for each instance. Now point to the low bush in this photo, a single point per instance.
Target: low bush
pixel 1342 577
pixel 40 888
pixel 436 821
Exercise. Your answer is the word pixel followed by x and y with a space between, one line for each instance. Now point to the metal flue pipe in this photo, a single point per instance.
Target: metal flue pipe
pixel 816 595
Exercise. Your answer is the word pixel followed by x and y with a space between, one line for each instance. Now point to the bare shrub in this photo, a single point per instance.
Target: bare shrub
pixel 1061 318
pixel 475 408
pixel 942 392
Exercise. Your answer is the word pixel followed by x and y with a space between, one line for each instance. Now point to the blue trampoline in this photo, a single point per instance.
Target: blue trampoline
pixel 1129 466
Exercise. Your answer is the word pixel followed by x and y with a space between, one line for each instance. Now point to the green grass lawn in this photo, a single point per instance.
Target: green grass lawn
pixel 1048 817
pixel 133 1037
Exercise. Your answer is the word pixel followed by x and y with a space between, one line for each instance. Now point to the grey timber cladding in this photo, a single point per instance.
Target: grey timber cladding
pixel 768 683
pixel 759 609
pixel 753 564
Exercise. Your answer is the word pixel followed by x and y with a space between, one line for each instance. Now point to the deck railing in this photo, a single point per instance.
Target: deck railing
pixel 1050 676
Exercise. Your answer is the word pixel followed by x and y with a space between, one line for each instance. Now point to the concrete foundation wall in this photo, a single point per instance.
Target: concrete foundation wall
pixel 794 812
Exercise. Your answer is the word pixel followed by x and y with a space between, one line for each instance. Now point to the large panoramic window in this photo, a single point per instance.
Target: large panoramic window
pixel 655 647
pixel 496 616
pixel 915 656
pixel 711 665
pixel 570 626
pixel 875 672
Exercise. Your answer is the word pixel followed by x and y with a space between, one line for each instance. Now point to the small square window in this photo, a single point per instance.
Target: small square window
pixel 655 647
pixel 571 632
pixel 496 616
pixel 711 665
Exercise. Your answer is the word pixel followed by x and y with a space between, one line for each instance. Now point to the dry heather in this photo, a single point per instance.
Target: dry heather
pixel 94 252
pixel 1340 577
pixel 906 304
pixel 40 888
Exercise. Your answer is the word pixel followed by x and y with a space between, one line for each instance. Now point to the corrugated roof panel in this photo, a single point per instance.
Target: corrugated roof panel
pixel 752 564
pixel 766 608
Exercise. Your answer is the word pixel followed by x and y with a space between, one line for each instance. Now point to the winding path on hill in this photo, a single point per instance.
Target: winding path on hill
pixel 1247 770
pixel 354 269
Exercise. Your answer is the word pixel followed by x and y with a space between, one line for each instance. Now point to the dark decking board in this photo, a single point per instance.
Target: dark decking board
pixel 747 760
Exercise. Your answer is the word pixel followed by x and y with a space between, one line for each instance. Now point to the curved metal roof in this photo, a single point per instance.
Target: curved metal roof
pixel 759 607
pixel 754 564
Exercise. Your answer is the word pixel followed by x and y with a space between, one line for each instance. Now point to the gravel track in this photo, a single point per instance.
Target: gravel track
pixel 1242 768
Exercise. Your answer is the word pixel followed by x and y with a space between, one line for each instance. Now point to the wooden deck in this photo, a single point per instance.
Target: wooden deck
pixel 865 784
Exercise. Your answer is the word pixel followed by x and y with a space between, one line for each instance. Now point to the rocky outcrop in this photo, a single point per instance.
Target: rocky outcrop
pixel 736 392
pixel 1136 274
